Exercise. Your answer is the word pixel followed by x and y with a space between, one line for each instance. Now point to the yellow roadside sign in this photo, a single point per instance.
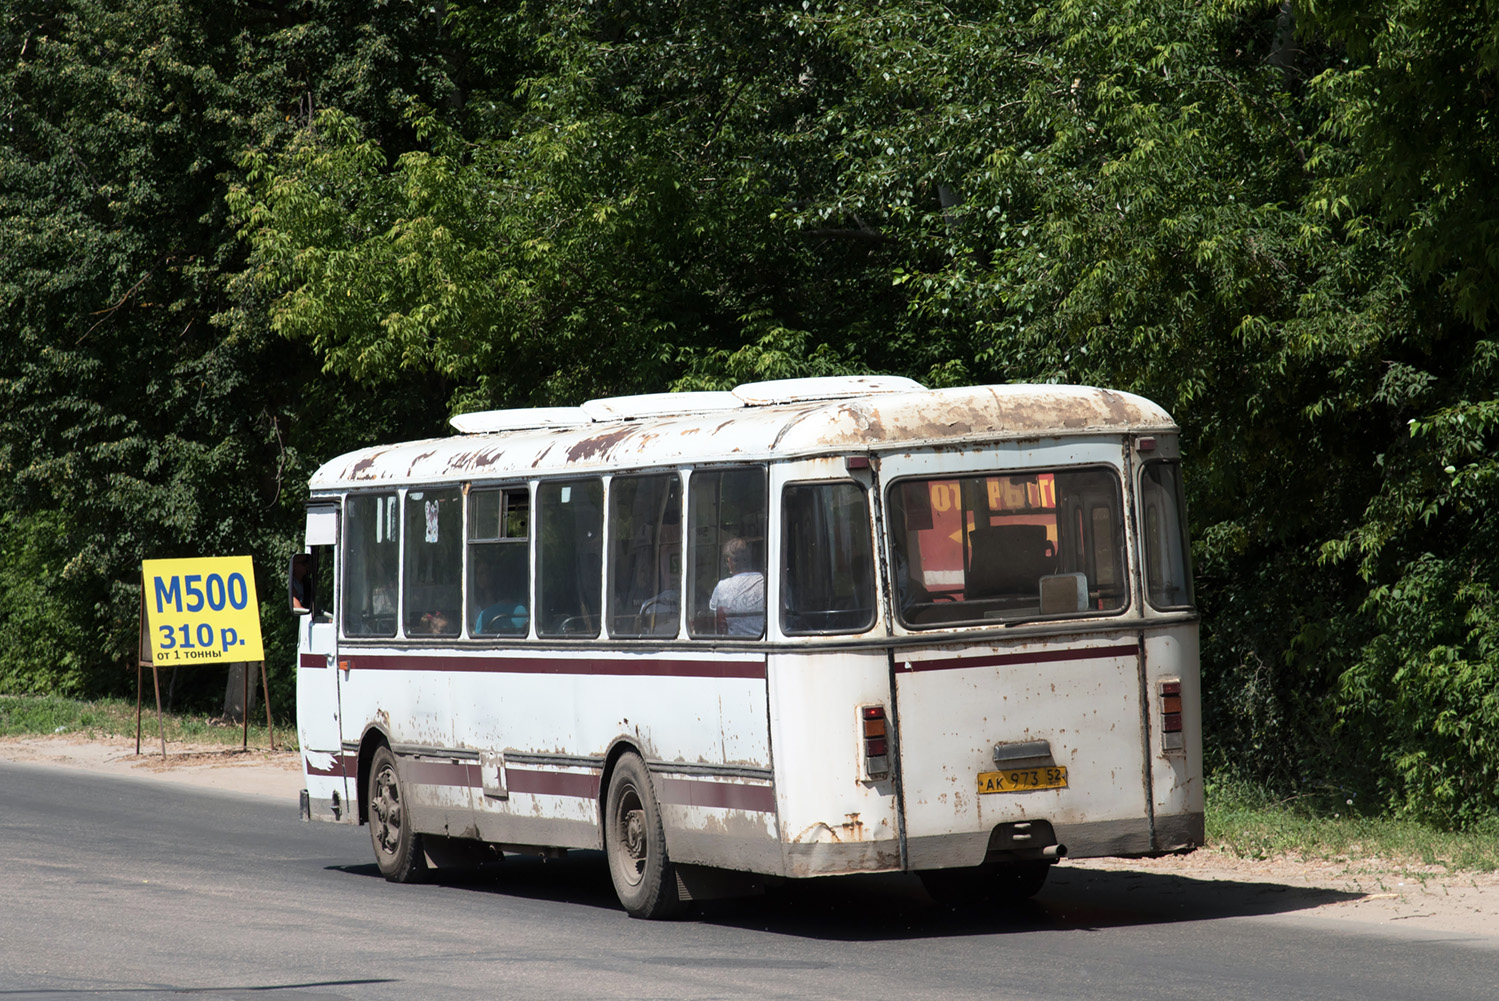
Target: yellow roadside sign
pixel 202 611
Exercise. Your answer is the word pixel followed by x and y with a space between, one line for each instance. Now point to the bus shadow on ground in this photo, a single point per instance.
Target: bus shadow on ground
pixel 863 908
pixel 894 905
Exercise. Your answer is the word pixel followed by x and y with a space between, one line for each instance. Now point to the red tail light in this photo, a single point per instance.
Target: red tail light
pixel 876 741
pixel 1171 715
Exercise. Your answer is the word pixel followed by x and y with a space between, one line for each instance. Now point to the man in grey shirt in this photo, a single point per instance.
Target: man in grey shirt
pixel 738 601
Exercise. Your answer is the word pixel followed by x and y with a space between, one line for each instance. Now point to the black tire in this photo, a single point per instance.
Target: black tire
pixel 398 848
pixel 635 843
pixel 991 884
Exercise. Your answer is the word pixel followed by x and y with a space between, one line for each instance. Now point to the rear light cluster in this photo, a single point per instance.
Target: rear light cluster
pixel 1171 716
pixel 876 742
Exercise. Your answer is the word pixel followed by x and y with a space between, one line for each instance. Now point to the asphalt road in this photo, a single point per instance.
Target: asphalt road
pixel 123 888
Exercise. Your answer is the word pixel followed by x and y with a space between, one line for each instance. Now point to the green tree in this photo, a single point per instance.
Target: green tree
pixel 131 424
pixel 1412 108
pixel 1162 196
pixel 244 243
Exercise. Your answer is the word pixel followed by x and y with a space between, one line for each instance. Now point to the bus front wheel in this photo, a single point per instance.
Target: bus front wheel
pixel 635 843
pixel 398 848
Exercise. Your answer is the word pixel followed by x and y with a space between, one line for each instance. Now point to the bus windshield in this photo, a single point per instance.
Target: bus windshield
pixel 1000 547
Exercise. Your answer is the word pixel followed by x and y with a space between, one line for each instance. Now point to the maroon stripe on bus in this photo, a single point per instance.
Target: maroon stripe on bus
pixel 336 770
pixel 633 667
pixel 1008 659
pixel 441 773
pixel 727 795
pixel 539 783
pixel 312 660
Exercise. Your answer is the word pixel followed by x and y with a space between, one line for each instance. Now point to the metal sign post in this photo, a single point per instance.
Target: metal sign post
pixel 143 657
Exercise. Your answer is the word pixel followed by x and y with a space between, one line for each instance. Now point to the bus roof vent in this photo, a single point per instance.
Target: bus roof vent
pixel 623 408
pixel 529 419
pixel 830 387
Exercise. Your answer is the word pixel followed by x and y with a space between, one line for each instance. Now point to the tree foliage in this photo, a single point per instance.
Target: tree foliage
pixel 1412 117
pixel 1275 219
pixel 132 425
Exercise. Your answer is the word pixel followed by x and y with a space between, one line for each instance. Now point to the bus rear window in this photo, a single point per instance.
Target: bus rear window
pixel 1005 547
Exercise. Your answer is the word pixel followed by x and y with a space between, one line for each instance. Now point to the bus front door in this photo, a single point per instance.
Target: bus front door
pixel 318 706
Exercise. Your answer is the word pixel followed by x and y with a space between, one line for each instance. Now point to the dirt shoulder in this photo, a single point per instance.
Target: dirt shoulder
pixel 256 772
pixel 1379 892
pixel 1372 891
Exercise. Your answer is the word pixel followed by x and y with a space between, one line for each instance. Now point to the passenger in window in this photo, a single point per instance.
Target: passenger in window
pixel 503 617
pixel 738 601
pixel 500 615
pixel 301 583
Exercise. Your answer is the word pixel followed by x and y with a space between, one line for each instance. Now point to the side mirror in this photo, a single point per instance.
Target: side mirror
pixel 299 583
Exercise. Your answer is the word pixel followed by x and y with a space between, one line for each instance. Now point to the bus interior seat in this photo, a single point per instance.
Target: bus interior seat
pixel 1008 560
pixel 659 614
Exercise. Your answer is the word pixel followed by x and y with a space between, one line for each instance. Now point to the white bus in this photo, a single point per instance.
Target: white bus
pixel 804 628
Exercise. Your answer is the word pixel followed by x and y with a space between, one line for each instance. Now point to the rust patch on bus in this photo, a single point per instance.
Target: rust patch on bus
pixel 411 469
pixel 866 418
pixel 485 458
pixel 852 829
pixel 364 468
pixel 818 832
pixel 736 823
pixel 598 445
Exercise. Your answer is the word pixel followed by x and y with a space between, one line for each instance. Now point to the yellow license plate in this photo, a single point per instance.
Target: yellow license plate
pixel 1023 779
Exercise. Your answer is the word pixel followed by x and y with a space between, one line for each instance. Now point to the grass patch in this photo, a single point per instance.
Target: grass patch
pixel 25 715
pixel 1250 822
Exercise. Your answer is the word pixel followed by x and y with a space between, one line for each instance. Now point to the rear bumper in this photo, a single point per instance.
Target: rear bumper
pixel 1124 838
pixel 1096 839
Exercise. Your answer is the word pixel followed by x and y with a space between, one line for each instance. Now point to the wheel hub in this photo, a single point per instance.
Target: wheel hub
pixel 386 813
pixel 635 834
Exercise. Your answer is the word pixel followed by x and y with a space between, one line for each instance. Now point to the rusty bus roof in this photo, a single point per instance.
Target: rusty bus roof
pixel 815 420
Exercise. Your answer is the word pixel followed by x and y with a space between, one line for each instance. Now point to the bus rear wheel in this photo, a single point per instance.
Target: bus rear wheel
pixel 398 848
pixel 635 842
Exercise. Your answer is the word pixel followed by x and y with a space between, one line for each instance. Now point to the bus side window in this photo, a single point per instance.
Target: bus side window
pixel 827 559
pixel 434 562
pixel 726 526
pixel 645 555
pixel 324 573
pixel 1168 559
pixel 372 544
pixel 570 580
pixel 499 560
